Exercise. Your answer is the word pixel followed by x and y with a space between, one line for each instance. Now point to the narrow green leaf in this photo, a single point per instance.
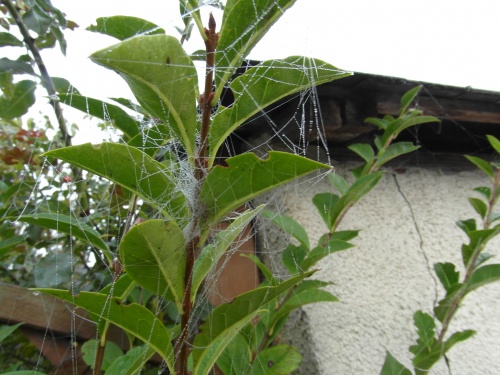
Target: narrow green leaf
pixel 268 274
pixel 400 124
pixel 277 360
pixel 134 319
pixel 484 191
pixel 456 338
pixel 292 258
pixel 211 254
pixel 132 362
pixel 394 150
pixel 227 320
pixel 69 225
pixel 483 276
pixel 104 111
pixel 447 274
pixel 6 331
pixel 162 77
pixel 265 84
pixel 467 225
pixel 243 25
pixel 9 243
pixel 364 150
pixel 154 256
pixel 18 104
pixel 289 225
pixel 319 252
pixel 325 204
pixel 393 367
pixel 407 98
pixel 132 169
pixel 479 206
pixel 494 142
pixel 111 353
pixel 481 164
pixel 7 39
pixel 338 183
pixel 247 176
pixel 378 122
pixel 124 27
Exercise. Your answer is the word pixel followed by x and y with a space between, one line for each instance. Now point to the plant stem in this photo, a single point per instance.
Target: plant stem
pixel 46 80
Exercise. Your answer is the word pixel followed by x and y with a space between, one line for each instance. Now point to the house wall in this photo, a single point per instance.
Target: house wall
pixel 408 224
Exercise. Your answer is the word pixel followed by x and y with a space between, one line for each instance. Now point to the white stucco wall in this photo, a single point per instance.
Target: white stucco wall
pixel 388 275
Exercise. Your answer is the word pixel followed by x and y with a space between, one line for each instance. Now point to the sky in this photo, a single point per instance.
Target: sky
pixel 451 42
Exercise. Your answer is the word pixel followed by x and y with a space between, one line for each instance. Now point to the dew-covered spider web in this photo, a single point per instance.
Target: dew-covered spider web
pixel 85 216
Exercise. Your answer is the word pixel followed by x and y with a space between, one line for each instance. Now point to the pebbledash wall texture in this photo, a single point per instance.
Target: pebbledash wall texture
pixel 408 224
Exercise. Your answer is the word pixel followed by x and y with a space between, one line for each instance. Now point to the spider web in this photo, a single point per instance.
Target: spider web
pixel 74 266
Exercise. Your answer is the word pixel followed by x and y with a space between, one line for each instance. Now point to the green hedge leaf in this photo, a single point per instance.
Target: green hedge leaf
pixel 162 77
pixel 247 176
pixel 479 206
pixel 132 362
pixel 393 367
pixel 483 276
pixel 134 319
pixel 227 320
pixel 494 142
pixel 289 225
pixel 394 150
pixel 292 258
pixel 456 338
pixel 211 254
pixel 481 164
pixel 111 353
pixel 132 169
pixel 277 360
pixel 104 111
pixel 338 183
pixel 325 203
pixel 153 254
pixel 19 102
pixel 265 84
pixel 319 252
pixel 365 151
pixel 447 274
pixel 124 27
pixel 407 98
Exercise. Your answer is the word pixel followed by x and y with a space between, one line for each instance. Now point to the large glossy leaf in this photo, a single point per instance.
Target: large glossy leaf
pixel 134 319
pixel 132 169
pixel 18 103
pixel 69 225
pixel 393 367
pixel 277 360
pixel 247 176
pixel 124 27
pixel 153 254
pixel 227 320
pixel 211 254
pixel 105 111
pixel 244 23
pixel 265 84
pixel 162 77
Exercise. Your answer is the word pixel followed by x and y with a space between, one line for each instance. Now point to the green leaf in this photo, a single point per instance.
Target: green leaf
pixel 243 25
pixel 151 140
pixel 24 372
pixel 325 203
pixel 105 111
pixel 227 320
pixel 483 276
pixel 111 352
pixel 481 164
pixel 407 98
pixel 247 176
pixel 263 85
pixel 402 123
pixel 9 243
pixel 447 274
pixel 378 122
pixel 124 27
pixel 479 206
pixel 364 150
pixel 338 183
pixel 162 77
pixel 237 348
pixel 494 142
pixel 393 367
pixel 427 353
pixel 394 150
pixel 19 66
pixel 292 258
pixel 71 226
pixel 154 256
pixel 477 240
pixel 134 319
pixel 37 19
pixel 319 252
pixel 63 86
pixel 6 331
pixel 18 104
pixel 53 270
pixel 456 338
pixel 120 288
pixel 289 225
pixel 211 254
pixel 467 225
pixel 7 39
pixel 445 305
pixel 277 360
pixel 132 362
pixel 268 274
pixel 484 191
pixel 132 169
